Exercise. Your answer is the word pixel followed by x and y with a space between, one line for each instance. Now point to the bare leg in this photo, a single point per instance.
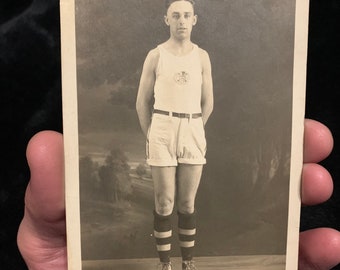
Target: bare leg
pixel 164 188
pixel 189 177
pixel 164 179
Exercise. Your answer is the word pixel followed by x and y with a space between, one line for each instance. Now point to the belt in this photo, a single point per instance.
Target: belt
pixel 179 115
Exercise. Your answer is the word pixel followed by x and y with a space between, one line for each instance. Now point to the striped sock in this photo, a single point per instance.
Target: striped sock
pixel 187 234
pixel 163 233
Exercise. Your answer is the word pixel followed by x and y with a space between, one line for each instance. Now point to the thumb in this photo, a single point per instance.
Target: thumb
pixel 41 236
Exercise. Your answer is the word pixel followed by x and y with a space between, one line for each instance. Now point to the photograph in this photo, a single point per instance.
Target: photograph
pixel 183 131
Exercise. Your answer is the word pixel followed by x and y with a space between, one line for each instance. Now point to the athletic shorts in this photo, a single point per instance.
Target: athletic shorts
pixel 172 140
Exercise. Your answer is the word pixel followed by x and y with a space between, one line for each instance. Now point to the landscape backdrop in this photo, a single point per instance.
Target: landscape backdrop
pixel 242 203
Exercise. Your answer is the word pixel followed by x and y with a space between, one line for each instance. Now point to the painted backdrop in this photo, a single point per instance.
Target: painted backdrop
pixel 243 198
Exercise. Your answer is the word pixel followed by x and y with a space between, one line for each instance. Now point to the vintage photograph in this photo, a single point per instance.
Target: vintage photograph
pixel 183 123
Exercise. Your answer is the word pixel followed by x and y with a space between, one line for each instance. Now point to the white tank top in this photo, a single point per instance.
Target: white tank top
pixel 178 83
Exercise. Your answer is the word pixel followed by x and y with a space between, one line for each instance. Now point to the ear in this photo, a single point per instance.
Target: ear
pixel 194 20
pixel 166 20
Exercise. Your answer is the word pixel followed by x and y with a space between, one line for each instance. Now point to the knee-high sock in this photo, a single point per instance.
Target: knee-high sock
pixel 187 234
pixel 163 235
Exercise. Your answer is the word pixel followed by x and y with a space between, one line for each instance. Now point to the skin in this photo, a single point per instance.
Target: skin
pixel 188 178
pixel 180 18
pixel 182 180
pixel 42 233
pixel 178 44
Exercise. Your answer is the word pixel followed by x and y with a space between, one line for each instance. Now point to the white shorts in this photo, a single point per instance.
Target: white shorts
pixel 172 140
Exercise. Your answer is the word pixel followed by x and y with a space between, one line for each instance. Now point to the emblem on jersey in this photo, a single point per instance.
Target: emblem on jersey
pixel 182 77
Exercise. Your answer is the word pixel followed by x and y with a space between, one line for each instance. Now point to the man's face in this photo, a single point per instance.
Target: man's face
pixel 180 18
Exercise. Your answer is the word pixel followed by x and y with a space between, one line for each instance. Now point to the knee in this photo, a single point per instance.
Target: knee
pixel 164 205
pixel 186 206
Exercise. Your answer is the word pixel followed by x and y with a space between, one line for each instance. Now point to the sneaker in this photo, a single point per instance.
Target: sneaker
pixel 165 266
pixel 188 265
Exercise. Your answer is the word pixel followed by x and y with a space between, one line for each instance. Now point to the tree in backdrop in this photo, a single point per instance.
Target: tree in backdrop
pixel 114 175
pixel 89 180
pixel 141 170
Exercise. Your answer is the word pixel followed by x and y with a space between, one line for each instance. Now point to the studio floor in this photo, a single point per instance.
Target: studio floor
pixel 203 263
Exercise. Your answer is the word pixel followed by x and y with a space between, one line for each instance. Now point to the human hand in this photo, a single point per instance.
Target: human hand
pixel 319 248
pixel 42 233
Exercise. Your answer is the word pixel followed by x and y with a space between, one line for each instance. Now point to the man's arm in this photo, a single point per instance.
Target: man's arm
pixel 207 99
pixel 146 90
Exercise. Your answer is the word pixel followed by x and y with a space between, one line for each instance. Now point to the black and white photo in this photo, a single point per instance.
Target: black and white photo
pixel 183 124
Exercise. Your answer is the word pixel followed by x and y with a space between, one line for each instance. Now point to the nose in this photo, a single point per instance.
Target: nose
pixel 181 20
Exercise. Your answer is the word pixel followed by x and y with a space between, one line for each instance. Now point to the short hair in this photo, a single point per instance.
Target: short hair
pixel 169 2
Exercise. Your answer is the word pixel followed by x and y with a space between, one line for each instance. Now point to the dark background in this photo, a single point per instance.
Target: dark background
pixel 31 101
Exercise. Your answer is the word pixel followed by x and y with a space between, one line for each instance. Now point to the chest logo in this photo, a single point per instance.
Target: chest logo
pixel 182 78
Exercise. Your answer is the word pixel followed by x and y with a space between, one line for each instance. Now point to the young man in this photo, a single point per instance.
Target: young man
pixel 177 76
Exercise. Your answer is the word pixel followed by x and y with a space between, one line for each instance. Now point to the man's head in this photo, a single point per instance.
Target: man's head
pixel 169 2
pixel 180 17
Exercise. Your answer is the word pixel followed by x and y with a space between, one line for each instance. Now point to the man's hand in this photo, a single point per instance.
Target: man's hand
pixel 42 234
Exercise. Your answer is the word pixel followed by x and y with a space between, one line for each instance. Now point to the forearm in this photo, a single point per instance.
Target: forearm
pixel 207 101
pixel 207 109
pixel 144 115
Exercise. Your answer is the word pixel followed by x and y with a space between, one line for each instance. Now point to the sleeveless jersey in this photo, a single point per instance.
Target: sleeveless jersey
pixel 178 84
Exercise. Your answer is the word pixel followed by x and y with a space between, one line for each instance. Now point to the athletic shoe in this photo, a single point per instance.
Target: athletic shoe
pixel 188 265
pixel 165 266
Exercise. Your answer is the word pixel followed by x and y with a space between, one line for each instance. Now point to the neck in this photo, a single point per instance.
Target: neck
pixel 180 42
pixel 179 45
